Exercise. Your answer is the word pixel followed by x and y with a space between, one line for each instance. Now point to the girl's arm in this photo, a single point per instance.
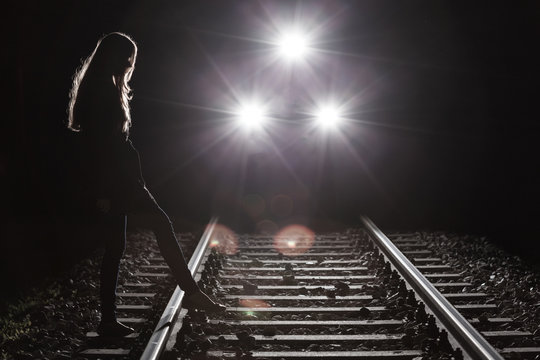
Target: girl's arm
pixel 135 165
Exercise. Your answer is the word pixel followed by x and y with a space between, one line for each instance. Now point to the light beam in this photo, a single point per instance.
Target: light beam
pixel 328 116
pixel 293 46
pixel 250 116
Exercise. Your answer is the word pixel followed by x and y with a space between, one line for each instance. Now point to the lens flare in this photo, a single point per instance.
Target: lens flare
pixel 294 240
pixel 224 240
pixel 253 303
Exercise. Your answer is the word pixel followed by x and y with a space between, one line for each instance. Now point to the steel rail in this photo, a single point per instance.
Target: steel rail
pixel 472 342
pixel 159 338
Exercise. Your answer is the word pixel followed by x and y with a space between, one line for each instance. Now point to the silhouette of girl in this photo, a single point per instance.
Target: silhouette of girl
pixel 99 111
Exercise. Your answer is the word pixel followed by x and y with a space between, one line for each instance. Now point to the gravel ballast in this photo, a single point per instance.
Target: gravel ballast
pixel 51 321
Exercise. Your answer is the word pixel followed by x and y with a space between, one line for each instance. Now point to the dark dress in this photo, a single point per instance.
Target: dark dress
pixel 111 170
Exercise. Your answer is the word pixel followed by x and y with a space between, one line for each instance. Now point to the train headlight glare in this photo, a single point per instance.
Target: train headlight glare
pixel 293 46
pixel 328 117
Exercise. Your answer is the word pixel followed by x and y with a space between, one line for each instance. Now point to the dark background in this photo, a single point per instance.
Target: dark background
pixel 442 132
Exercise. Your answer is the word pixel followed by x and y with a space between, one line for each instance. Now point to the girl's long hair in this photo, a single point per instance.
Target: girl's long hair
pixel 93 106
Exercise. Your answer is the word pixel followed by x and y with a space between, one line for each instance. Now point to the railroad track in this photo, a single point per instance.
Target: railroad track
pixel 351 295
pixel 142 294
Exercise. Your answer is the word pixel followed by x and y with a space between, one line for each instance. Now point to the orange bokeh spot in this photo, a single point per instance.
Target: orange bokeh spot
pixel 294 240
pixel 254 303
pixel 224 240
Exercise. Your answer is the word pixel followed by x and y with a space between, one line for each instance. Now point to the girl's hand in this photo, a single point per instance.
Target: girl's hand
pixel 103 205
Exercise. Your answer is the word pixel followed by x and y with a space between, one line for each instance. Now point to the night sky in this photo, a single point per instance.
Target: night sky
pixel 441 117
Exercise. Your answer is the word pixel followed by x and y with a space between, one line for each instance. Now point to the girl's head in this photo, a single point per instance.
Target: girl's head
pixel 110 65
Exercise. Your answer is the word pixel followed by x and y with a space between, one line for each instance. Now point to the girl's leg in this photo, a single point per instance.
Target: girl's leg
pixel 114 249
pixel 173 255
pixel 171 251
pixel 169 247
